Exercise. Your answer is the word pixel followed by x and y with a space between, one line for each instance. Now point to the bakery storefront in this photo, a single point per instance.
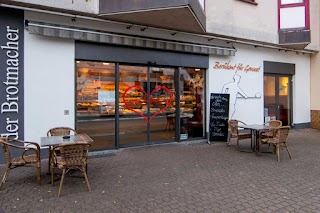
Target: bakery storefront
pixel 121 89
pixel 128 96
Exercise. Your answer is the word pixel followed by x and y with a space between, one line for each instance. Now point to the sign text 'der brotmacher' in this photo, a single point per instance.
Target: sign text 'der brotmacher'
pixel 11 103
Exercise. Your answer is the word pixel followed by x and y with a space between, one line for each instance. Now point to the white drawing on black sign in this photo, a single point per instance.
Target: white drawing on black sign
pixel 233 89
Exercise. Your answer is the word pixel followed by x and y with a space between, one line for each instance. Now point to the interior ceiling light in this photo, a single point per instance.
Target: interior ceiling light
pixel 105 63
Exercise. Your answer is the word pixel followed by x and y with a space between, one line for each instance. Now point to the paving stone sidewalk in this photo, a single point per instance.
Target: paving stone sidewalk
pixel 180 177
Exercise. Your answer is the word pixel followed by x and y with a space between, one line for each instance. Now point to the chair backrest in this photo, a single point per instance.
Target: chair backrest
pixel 283 133
pixel 5 148
pixel 74 154
pixel 233 126
pixel 273 123
pixel 61 131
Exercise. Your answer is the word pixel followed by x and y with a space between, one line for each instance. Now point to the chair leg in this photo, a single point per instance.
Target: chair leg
pixel 39 175
pixel 49 161
pixel 52 174
pixel 5 175
pixel 288 151
pixel 278 152
pixel 259 148
pixel 274 149
pixel 229 139
pixel 86 177
pixel 238 144
pixel 61 182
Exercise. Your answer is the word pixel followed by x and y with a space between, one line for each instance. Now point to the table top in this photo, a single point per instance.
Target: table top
pixel 56 140
pixel 257 127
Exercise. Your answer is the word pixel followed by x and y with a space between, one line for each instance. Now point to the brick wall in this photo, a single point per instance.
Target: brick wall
pixel 315 119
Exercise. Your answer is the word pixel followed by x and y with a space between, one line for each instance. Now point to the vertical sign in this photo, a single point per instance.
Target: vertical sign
pixel 11 73
pixel 219 115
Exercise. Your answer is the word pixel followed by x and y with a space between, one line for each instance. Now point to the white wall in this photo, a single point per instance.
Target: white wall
pixel 243 20
pixel 250 110
pixel 49 84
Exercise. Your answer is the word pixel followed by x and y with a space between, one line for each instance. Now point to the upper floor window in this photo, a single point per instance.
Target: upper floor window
pixel 294 14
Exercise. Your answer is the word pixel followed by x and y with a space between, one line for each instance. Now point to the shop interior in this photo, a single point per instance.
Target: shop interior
pixel 147 103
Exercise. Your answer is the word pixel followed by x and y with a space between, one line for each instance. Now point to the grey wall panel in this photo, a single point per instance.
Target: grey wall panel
pixel 11 74
pixel 98 52
pixel 116 6
pixel 279 68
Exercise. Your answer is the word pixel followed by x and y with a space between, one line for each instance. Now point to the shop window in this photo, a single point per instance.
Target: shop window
pixel 192 90
pixel 294 15
pixel 95 101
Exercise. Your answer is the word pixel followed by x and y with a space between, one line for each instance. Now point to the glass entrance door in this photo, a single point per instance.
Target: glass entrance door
pixel 277 98
pixel 147 106
pixel 162 105
pixel 133 105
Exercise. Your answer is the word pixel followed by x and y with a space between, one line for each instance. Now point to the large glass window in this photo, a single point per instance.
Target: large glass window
pixel 95 96
pixel 148 110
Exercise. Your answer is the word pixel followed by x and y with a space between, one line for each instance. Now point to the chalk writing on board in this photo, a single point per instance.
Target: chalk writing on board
pixel 219 115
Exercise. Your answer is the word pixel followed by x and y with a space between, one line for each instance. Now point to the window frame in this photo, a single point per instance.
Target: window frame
pixel 304 4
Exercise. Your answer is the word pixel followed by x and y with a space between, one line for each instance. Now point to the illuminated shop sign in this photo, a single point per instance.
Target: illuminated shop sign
pixel 236 66
pixel 11 73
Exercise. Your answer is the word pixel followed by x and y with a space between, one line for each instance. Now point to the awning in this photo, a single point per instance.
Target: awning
pixel 83 34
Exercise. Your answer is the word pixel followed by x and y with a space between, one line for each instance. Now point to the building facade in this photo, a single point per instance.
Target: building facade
pixel 142 72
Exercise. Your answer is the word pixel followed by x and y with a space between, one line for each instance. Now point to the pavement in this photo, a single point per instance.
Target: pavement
pixel 179 177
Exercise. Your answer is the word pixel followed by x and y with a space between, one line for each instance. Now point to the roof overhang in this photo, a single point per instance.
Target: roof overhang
pixel 180 15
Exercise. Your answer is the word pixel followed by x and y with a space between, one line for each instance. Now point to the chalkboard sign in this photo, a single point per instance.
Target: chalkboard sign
pixel 219 115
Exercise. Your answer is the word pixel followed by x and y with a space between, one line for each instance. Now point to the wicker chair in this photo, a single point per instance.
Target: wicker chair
pixel 58 131
pixel 24 160
pixel 72 156
pixel 279 140
pixel 234 132
pixel 271 133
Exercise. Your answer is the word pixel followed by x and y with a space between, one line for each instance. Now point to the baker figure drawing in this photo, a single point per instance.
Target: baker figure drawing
pixel 235 91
